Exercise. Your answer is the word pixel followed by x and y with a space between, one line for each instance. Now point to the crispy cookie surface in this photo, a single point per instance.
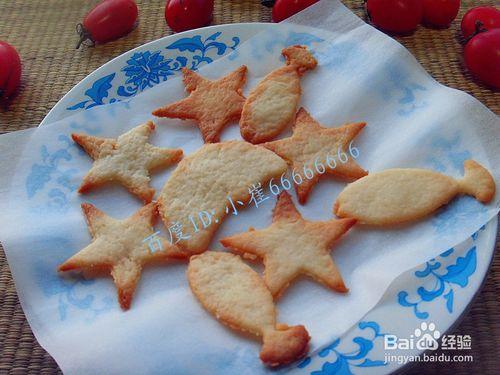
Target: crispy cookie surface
pixel 237 296
pixel 212 104
pixel 118 247
pixel 292 246
pixel 126 160
pixel 272 104
pixel 204 181
pixel 399 195
pixel 311 143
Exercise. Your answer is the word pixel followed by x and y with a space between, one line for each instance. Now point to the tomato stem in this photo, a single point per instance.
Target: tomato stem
pixel 268 3
pixel 479 29
pixel 84 35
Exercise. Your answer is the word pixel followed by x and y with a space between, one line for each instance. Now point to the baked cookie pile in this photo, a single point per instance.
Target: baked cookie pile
pixel 204 181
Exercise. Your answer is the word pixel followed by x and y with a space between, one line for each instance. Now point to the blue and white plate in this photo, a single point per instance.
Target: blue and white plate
pixel 421 304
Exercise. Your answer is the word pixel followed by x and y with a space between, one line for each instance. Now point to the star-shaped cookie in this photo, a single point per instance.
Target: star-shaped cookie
pixel 212 104
pixel 292 246
pixel 126 160
pixel 313 147
pixel 121 247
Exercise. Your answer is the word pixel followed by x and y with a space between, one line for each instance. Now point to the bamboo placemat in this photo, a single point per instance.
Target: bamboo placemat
pixel 44 34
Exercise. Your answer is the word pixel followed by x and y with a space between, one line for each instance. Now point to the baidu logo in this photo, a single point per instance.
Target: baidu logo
pixel 427 336
pixel 424 338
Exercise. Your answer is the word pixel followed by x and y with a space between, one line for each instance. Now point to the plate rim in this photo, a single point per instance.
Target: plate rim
pixel 48 117
pixel 493 233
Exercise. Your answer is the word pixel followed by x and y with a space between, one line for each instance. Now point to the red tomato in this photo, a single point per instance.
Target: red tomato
pixel 397 16
pixel 10 70
pixel 182 15
pixel 440 13
pixel 108 20
pixel 488 16
pixel 283 9
pixel 482 57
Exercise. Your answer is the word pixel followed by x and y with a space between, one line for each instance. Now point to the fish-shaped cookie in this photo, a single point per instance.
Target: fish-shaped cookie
pixel 202 189
pixel 396 196
pixel 237 296
pixel 272 104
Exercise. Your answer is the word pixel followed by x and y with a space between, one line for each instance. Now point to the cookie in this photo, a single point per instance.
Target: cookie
pixel 312 145
pixel 272 104
pixel 292 246
pixel 212 104
pixel 237 296
pixel 126 160
pixel 205 180
pixel 118 247
pixel 397 196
